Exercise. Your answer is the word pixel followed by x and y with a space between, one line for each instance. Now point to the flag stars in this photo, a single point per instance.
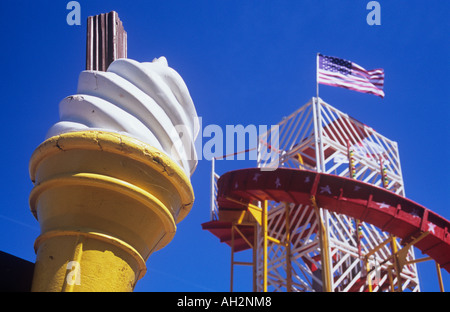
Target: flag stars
pixel 334 64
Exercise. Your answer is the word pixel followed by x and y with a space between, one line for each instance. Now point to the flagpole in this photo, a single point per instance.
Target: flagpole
pixel 318 122
pixel 317 77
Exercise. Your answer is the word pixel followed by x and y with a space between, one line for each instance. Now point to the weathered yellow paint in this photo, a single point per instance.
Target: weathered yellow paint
pixel 81 261
pixel 324 246
pixel 265 245
pixel 104 203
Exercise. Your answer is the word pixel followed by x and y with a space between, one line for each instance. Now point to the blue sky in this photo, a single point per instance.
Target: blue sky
pixel 244 62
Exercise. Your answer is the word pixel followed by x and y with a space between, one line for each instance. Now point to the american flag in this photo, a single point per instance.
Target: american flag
pixel 338 72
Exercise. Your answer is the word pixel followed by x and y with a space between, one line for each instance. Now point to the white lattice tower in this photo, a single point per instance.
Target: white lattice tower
pixel 318 137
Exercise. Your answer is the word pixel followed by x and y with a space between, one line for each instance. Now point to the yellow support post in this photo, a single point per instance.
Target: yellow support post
pixel 288 248
pixel 418 260
pixel 326 274
pixel 398 256
pixel 255 243
pixel 441 284
pixel 264 230
pixel 368 273
pixel 391 280
pixel 397 266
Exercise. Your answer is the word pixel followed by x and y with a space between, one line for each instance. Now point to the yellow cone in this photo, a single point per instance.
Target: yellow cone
pixel 104 203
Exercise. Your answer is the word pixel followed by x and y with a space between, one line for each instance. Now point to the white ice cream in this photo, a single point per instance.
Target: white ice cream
pixel 147 101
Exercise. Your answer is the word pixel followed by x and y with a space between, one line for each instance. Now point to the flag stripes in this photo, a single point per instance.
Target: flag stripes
pixel 338 72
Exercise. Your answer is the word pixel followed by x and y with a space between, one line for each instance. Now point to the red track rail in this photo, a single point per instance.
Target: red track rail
pixel 386 210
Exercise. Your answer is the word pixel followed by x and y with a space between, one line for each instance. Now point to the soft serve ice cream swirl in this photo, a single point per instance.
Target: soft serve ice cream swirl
pixel 148 101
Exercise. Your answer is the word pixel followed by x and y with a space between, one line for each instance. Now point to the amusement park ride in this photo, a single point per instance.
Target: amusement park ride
pixel 323 210
pixel 332 217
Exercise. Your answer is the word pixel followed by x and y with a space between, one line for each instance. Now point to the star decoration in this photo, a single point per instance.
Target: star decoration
pixel 256 176
pixel 236 185
pixel 277 182
pixel 357 188
pixel 431 227
pixel 325 189
pixel 383 205
pixel 307 179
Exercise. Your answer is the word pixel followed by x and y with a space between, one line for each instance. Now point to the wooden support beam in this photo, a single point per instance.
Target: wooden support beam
pixel 324 249
pixel 265 235
pixel 288 247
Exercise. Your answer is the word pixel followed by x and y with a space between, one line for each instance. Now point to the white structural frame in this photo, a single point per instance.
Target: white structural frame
pixel 319 137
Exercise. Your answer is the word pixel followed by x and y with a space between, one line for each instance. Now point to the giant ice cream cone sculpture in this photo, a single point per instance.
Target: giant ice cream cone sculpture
pixel 112 179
